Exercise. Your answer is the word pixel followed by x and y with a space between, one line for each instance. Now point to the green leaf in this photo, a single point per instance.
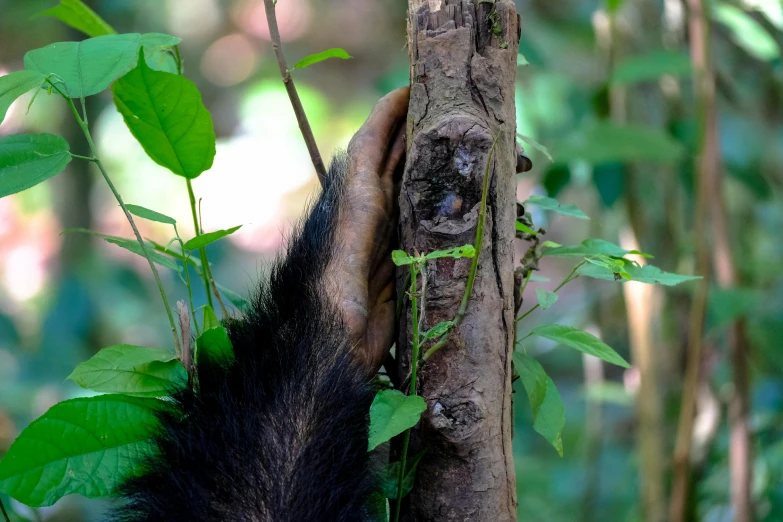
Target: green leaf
pixel 77 15
pixel 133 246
pixel 592 247
pixel 210 319
pixel 536 145
pixel 242 304
pixel 165 113
pixel 208 238
pixel 545 402
pixel 605 141
pixel 456 253
pixel 521 227
pixel 390 476
pixel 521 60
pixel 146 213
pixel 538 279
pixel 545 298
pixel 438 330
pixel 651 66
pixel 400 258
pixel 580 340
pixel 613 5
pixel 214 348
pixel 156 51
pixel 87 67
pixel 747 32
pixel 645 274
pixel 86 446
pixel 323 55
pixel 391 413
pixel 552 204
pixel 16 84
pixel 29 159
pixel 609 393
pixel 132 370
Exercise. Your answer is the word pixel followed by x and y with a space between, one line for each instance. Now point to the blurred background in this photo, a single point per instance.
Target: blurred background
pixel 627 64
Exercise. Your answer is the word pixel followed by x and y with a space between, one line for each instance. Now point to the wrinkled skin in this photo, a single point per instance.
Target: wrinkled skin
pixel 360 276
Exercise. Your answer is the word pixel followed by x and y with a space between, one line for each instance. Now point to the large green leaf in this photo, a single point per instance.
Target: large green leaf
pixel 320 57
pixel 644 274
pixel 88 67
pixel 580 340
pixel 545 402
pixel 591 247
pixel 165 113
pixel 80 17
pixel 86 446
pixel 214 347
pixel 391 413
pixel 16 84
pixel 132 370
pixel 652 66
pixel 28 159
pixel 209 238
pixel 606 141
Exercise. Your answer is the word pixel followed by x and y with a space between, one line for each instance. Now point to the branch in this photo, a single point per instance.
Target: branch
pixel 293 95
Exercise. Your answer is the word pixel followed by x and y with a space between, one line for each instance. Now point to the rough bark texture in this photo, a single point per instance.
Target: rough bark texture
pixel 463 67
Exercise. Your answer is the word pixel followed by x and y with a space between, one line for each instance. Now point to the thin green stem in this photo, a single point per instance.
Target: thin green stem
pixel 178 59
pixel 128 216
pixel 573 275
pixel 5 514
pixel 205 272
pixel 85 158
pixel 412 391
pixel 527 280
pixel 478 243
pixel 188 285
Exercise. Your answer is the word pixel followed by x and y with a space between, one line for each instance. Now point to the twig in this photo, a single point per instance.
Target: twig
pixel 5 515
pixel 293 95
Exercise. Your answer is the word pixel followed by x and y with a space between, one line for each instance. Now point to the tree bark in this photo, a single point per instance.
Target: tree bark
pixel 463 68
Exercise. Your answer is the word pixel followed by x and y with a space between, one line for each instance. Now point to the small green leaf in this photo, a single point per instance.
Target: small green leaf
pixel 85 68
pixel 77 15
pixel 521 60
pixel 210 319
pixel 323 55
pixel 746 31
pixel 400 258
pixel 132 370
pixel 538 279
pixel 610 393
pixel 208 238
pixel 521 227
pixel 391 413
pixel 545 402
pixel 456 253
pixel 87 446
pixel 645 274
pixel 651 66
pixel 156 51
pixel 16 84
pixel 242 304
pixel 146 213
pixel 438 330
pixel 547 203
pixel 166 114
pixel 536 145
pixel 580 340
pixel 132 245
pixel 214 348
pixel 545 298
pixel 29 159
pixel 591 247
pixel 390 476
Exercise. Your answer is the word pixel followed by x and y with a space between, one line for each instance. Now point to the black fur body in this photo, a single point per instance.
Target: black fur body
pixel 280 435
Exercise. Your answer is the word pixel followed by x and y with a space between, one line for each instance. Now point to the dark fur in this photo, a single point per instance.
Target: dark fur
pixel 282 435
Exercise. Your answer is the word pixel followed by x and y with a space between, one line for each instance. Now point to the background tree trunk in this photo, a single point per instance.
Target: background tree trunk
pixel 463 68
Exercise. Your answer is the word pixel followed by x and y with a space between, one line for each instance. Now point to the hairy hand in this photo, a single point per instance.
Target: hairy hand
pixel 360 276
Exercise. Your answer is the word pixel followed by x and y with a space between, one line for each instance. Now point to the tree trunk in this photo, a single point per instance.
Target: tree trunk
pixel 463 67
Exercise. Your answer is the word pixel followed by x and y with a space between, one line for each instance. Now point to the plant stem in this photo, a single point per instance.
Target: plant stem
pixel 293 95
pixel 85 158
pixel 188 285
pixel 478 243
pixel 573 275
pixel 5 514
pixel 128 216
pixel 412 391
pixel 205 272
